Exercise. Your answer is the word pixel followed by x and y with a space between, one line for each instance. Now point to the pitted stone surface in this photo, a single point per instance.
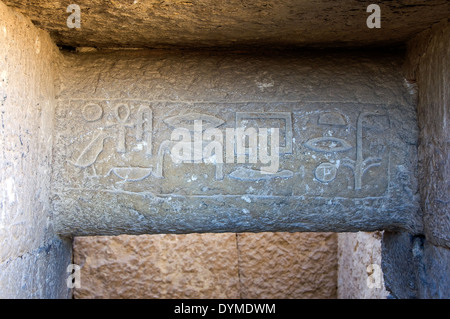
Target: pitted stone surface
pixel 347 143
pixel 265 265
pixel 158 266
pixel 288 265
pixel 235 23
pixel 419 267
pixel 26 125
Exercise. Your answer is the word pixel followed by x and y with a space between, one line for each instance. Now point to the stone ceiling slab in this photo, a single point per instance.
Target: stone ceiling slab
pixel 233 23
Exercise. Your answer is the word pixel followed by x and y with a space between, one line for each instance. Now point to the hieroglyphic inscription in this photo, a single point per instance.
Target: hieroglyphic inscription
pixel 286 117
pixel 92 112
pixel 122 115
pixel 144 127
pixel 130 127
pixel 361 165
pixel 332 119
pixel 326 172
pixel 90 153
pixel 328 144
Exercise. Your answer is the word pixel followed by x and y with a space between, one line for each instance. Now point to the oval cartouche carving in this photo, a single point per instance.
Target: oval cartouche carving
pixel 328 144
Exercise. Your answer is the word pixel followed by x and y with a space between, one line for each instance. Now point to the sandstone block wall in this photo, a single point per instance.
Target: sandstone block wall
pixel 288 265
pixel 263 265
pixel 33 259
pixel 428 65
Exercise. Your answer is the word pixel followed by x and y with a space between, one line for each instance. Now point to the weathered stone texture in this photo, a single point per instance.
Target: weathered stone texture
pixel 32 258
pixel 429 65
pixel 288 265
pixel 158 266
pixel 217 23
pixel 39 273
pixel 434 272
pixel 264 265
pixel 355 102
pixel 399 265
pixel 356 252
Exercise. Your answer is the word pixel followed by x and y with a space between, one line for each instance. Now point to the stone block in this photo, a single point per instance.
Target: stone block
pixel 344 164
pixel 360 274
pixel 429 66
pixel 157 266
pixel 288 265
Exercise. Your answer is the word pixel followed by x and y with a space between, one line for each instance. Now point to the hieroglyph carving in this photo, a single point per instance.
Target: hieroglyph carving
pixel 92 112
pixel 361 165
pixel 144 127
pixel 90 153
pixel 326 172
pixel 197 138
pixel 285 117
pixel 122 115
pixel 121 112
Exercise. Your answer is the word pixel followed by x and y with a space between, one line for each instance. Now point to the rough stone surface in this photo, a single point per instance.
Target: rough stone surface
pixel 206 23
pixel 360 274
pixel 349 111
pixel 429 66
pixel 288 265
pixel 264 265
pixel 415 268
pixel 33 259
pixel 158 266
pixel 39 273
pixel 399 265
pixel 434 272
pixel 419 266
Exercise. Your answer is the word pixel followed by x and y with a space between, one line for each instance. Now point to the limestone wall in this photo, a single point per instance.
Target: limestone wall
pixel 263 265
pixel 428 65
pixel 32 259
pixel 414 266
pixel 360 275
